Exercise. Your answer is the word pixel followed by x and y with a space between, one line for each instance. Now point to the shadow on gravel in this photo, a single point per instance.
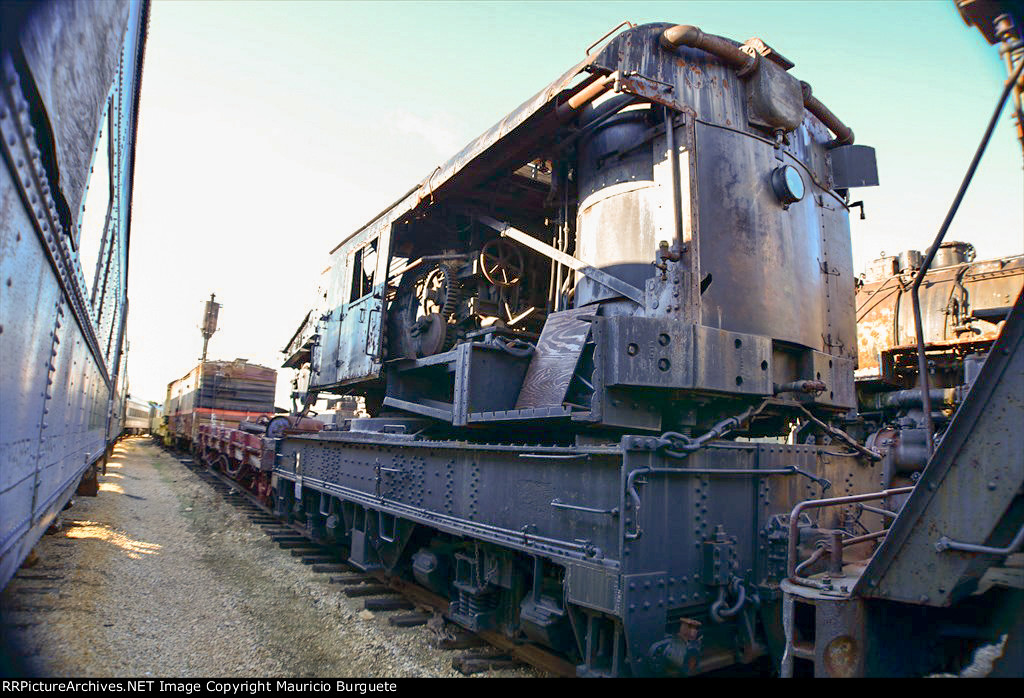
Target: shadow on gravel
pixel 12 663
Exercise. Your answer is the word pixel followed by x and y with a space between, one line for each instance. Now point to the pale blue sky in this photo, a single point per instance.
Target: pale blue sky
pixel 269 131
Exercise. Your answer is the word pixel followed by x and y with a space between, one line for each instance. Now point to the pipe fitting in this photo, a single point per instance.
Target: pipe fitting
pixel 681 35
pixel 844 134
pixel 725 49
pixel 598 87
pixel 746 60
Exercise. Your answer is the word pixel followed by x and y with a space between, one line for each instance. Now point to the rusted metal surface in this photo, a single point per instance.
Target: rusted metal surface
pixel 794 518
pixel 637 146
pixel 844 134
pixel 963 307
pixel 746 58
pixel 967 491
pixel 999 21
pixel 729 51
pixel 915 287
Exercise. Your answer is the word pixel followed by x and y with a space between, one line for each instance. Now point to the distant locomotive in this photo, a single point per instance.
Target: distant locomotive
pixel 965 304
pixel 69 98
pixel 217 393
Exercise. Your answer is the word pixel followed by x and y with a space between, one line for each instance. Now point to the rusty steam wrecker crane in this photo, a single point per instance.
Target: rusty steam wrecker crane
pixel 608 353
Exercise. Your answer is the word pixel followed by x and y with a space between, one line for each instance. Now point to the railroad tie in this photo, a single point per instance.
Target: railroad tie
pixel 457 640
pixel 367 590
pixel 36 590
pixel 294 545
pixel 388 603
pixel 350 579
pixel 306 550
pixel 331 567
pixel 409 620
pixel 468 664
pixel 278 531
pixel 318 560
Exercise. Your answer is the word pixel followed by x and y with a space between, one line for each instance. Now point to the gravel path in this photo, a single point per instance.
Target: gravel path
pixel 158 576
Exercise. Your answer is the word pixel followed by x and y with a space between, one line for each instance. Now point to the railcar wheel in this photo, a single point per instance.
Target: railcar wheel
pixel 232 468
pixel 221 463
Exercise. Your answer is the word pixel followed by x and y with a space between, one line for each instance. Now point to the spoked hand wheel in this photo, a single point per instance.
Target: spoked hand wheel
pixel 502 263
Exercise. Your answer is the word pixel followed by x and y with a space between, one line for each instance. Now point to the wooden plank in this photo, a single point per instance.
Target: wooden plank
pixel 558 351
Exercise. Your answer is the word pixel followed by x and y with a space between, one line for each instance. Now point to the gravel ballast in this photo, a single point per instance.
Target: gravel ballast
pixel 159 576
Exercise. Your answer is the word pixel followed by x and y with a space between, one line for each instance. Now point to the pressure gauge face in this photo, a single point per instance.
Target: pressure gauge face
pixel 788 185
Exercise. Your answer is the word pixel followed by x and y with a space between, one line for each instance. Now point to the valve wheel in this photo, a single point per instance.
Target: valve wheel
pixel 502 263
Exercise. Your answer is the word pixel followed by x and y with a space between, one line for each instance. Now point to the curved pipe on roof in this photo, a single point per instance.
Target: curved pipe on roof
pixel 745 62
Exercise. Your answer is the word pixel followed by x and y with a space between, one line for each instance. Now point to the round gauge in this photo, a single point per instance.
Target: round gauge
pixel 788 185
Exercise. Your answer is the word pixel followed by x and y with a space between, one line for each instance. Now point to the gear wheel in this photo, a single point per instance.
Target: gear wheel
pixel 421 301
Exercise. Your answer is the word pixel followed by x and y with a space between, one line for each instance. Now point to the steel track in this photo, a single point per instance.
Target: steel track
pixel 417 595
